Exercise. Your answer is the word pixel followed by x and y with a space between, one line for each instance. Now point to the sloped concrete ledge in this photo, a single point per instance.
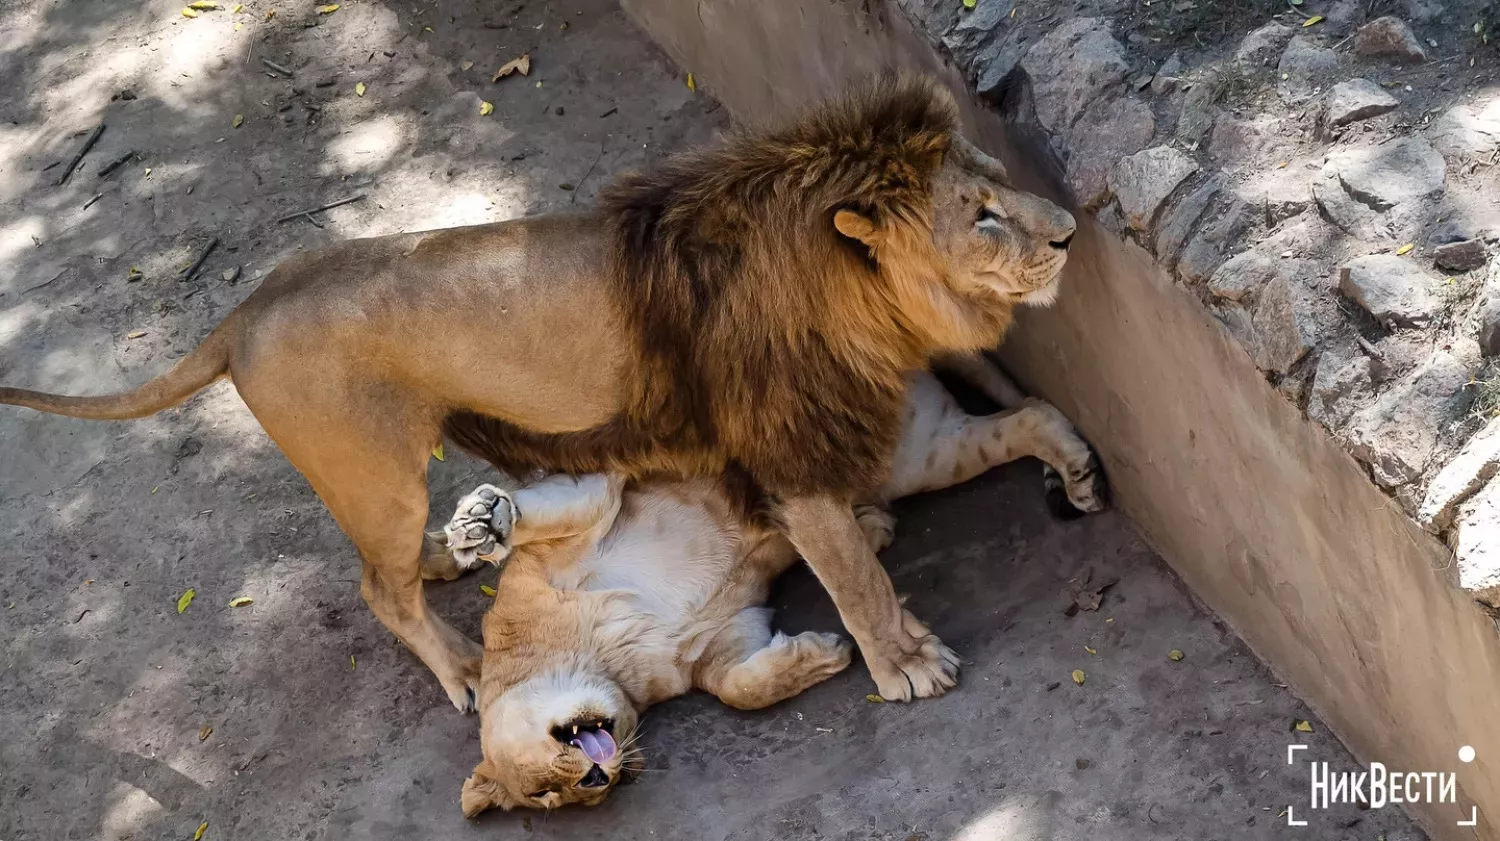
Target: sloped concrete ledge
pixel 1270 522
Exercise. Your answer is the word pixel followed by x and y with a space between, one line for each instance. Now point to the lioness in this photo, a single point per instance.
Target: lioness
pixel 619 595
pixel 753 307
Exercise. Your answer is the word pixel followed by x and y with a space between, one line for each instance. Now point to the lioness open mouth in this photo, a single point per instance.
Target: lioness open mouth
pixel 594 737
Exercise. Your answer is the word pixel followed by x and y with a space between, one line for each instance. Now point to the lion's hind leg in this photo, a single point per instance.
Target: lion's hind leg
pixel 748 667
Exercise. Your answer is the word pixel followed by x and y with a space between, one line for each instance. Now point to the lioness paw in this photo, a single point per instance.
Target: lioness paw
pixel 481 526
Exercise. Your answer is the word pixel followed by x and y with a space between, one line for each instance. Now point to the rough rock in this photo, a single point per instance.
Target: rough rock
pixel 1109 130
pixel 975 25
pixel 1167 76
pixel 1389 37
pixel 1303 70
pixel 1342 380
pixel 1464 256
pixel 1198 111
pixel 1469 130
pixel 994 62
pixel 1461 478
pixel 1238 143
pixel 1070 67
pixel 1385 176
pixel 1391 289
pixel 1261 47
pixel 1476 546
pixel 1284 325
pixel 1144 180
pixel 1280 192
pixel 1206 251
pixel 1109 217
pixel 1423 11
pixel 1242 276
pixel 1381 193
pixel 1181 219
pixel 1358 99
pixel 1489 313
pixel 1396 435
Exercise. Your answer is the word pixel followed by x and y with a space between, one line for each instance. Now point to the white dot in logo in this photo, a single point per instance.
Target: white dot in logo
pixel 1466 754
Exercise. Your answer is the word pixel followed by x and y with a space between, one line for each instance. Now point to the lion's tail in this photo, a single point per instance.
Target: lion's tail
pixel 205 364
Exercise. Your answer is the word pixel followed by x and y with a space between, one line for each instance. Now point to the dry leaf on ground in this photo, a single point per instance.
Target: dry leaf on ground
pixel 204 732
pixel 359 89
pixel 241 601
pixel 1302 726
pixel 874 699
pixel 239 120
pixel 520 65
pixel 485 109
pixel 185 599
pixel 202 828
pixel 189 13
pixel 1078 676
pixel 1175 655
pixel 1087 591
pixel 328 9
pixel 437 452
pixel 487 590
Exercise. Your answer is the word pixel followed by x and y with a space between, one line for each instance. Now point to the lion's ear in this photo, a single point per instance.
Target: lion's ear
pixel 857 226
pixel 480 793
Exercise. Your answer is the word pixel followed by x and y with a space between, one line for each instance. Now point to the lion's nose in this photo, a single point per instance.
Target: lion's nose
pixel 1063 226
pixel 595 778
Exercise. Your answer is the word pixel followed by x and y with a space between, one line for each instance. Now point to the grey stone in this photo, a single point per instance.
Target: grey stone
pixel 1167 76
pixel 984 18
pixel 1261 47
pixel 1423 11
pixel 1070 67
pixel 1197 115
pixel 1206 251
pixel 1237 320
pixel 1464 256
pixel 1243 276
pixel 1109 130
pixel 1389 37
pixel 1143 181
pixel 1342 18
pixel 994 63
pixel 1341 381
pixel 1385 176
pixel 1240 143
pixel 1489 313
pixel 1469 130
pixel 1451 231
pixel 1461 478
pixel 1284 325
pixel 1396 435
pixel 1476 546
pixel 1303 70
pixel 1181 219
pixel 1358 99
pixel 1391 289
pixel 1109 217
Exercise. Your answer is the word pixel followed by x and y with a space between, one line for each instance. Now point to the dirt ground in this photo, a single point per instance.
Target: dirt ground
pixel 298 716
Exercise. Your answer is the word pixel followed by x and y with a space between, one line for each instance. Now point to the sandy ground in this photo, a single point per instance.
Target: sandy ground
pixel 298 716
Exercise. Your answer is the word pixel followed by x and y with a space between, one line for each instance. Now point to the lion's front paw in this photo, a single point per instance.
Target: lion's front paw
pixel 481 527
pixel 919 666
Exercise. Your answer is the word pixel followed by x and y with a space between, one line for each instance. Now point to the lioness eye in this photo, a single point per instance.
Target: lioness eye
pixel 987 213
pixel 538 795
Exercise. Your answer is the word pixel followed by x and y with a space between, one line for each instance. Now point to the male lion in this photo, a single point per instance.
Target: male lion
pixel 618 595
pixel 752 307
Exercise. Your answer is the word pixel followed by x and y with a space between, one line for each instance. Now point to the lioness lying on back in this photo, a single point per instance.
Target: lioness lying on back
pixel 621 595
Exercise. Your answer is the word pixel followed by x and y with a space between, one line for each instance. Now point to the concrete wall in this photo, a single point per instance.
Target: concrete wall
pixel 1268 521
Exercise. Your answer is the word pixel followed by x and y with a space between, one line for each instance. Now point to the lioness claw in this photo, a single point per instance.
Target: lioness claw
pixel 481 527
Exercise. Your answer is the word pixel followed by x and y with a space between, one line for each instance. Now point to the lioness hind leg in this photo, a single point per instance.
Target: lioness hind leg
pixel 945 446
pixel 750 668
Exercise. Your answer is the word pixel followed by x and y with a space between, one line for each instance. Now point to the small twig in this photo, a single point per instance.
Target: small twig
pixel 586 175
pixel 116 164
pixel 190 271
pixel 52 165
pixel 308 213
pixel 90 203
pixel 274 66
pixel 78 158
pixel 313 219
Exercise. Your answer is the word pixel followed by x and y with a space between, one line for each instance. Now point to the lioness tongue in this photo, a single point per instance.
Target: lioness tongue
pixel 597 745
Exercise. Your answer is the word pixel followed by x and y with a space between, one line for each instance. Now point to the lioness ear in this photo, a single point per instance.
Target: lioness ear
pixel 480 793
pixel 856 226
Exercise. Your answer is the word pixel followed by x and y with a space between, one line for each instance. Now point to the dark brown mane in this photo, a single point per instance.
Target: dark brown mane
pixel 766 339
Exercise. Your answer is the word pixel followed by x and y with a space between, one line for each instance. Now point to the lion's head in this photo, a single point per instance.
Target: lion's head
pixel 557 739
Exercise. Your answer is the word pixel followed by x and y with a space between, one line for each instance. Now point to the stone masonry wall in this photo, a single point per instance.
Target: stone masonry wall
pixel 1330 191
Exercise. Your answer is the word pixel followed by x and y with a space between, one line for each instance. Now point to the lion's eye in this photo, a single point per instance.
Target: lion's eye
pixel 988 214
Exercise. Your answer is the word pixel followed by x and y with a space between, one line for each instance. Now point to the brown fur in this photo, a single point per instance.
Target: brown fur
pixel 750 308
pixel 768 340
